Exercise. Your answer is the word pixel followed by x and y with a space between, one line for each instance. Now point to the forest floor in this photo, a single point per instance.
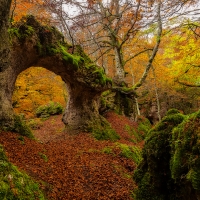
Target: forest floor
pixel 74 166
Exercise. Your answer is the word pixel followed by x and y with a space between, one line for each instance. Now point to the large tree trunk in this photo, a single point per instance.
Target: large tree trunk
pixel 37 45
pixel 6 111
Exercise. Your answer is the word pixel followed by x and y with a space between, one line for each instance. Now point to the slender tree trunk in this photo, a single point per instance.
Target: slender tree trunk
pixel 105 63
pixel 136 100
pixel 155 49
pixel 157 96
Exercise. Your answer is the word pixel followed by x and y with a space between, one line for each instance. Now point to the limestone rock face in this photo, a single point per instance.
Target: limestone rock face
pixel 33 44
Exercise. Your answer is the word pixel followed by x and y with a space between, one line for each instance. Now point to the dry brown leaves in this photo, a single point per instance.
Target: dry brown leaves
pixel 76 167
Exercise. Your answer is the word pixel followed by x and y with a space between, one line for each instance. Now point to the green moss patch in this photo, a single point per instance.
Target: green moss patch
pixel 105 134
pixel 131 152
pixel 102 130
pixel 16 185
pixel 21 32
pixel 75 60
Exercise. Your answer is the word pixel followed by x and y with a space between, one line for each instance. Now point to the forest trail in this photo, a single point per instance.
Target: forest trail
pixel 74 166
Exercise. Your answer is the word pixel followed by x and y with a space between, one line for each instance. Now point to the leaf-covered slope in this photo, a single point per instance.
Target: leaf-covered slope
pixel 75 166
pixel 16 185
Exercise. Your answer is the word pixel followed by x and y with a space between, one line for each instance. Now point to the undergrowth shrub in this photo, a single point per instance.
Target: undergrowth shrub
pixel 136 136
pixel 43 156
pixel 107 150
pixel 21 127
pixel 16 185
pixel 52 108
pixel 34 124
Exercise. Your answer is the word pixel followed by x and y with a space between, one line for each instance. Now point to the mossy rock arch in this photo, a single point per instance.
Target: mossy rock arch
pixel 33 44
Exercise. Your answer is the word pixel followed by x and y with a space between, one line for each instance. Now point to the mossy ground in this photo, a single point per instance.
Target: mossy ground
pixel 102 130
pixel 16 185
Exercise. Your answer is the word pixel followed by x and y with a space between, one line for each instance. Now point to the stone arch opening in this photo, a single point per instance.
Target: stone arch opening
pixel 36 45
pixel 36 87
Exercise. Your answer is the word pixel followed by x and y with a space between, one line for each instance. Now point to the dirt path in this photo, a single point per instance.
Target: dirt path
pixel 73 167
pixel 50 129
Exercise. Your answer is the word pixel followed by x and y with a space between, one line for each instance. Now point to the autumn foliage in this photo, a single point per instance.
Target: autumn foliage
pixel 37 87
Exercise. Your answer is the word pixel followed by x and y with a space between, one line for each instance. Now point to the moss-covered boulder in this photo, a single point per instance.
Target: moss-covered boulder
pixel 185 158
pixel 171 163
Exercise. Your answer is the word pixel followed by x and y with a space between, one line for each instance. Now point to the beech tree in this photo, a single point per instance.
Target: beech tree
pixel 112 27
pixel 106 28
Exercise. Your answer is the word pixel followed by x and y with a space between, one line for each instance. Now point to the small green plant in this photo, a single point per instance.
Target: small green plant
pixel 21 32
pixel 43 156
pixel 34 124
pixel 51 108
pixel 21 127
pixel 135 134
pixel 13 32
pixel 107 150
pixel 21 138
pixel 29 30
pixel 144 125
pixel 137 154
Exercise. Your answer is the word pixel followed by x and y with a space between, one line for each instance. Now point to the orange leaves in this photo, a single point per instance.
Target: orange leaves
pixel 21 8
pixel 35 87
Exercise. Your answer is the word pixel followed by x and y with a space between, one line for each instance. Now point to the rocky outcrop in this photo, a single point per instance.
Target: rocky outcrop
pixel 33 44
pixel 170 168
